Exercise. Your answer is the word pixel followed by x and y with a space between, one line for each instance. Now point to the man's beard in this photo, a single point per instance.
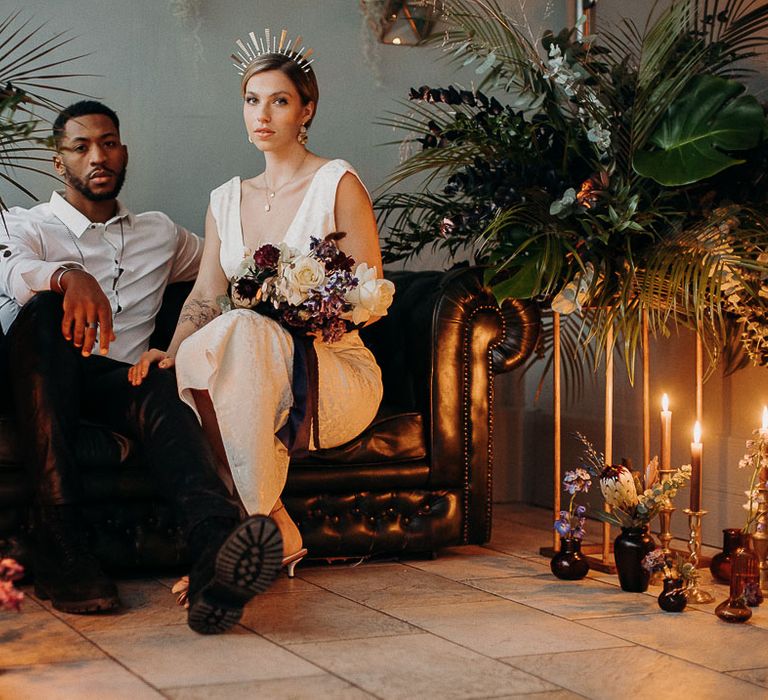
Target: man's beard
pixel 82 186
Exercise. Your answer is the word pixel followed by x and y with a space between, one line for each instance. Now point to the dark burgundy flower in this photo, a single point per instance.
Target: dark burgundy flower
pixel 247 287
pixel 267 256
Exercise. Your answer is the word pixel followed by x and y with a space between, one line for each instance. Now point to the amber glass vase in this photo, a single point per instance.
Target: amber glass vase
pixel 721 562
pixel 745 568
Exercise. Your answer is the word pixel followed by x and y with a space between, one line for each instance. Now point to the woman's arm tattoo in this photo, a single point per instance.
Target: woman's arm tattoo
pixel 199 312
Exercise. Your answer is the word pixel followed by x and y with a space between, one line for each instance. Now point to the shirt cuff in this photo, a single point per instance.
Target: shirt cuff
pixel 39 279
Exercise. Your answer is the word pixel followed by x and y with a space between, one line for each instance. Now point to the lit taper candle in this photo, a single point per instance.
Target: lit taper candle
pixel 666 433
pixel 763 476
pixel 696 450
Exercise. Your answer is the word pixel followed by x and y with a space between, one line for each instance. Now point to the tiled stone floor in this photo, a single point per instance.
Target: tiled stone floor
pixel 477 622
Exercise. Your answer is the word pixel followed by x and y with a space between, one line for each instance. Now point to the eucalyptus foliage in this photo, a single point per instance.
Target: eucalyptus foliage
pixel 615 176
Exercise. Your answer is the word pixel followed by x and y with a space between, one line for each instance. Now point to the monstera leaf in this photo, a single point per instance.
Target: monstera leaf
pixel 707 122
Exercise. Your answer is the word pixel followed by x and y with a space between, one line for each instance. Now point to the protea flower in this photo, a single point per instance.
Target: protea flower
pixel 618 487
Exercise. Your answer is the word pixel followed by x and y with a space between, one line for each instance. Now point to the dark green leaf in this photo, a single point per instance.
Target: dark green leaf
pixel 708 121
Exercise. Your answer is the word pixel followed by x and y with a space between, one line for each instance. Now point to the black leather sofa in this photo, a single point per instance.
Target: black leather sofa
pixel 419 478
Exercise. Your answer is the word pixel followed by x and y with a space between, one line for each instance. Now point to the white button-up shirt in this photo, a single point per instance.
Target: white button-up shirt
pixel 132 256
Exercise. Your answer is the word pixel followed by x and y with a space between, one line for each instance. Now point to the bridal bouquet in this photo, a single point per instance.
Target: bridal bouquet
pixel 317 292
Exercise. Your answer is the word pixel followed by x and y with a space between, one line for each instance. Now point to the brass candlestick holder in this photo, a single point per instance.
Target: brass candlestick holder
pixel 760 535
pixel 665 515
pixel 694 593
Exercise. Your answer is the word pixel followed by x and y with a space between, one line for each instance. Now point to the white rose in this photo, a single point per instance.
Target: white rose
pixel 371 297
pixel 302 275
pixel 288 253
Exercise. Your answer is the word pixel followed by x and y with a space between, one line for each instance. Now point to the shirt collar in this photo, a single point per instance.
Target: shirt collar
pixel 75 220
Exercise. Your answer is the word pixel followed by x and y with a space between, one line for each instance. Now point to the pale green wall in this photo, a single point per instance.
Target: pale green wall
pixel 181 116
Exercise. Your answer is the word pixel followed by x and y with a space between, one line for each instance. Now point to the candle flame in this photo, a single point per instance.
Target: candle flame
pixel 665 403
pixel 765 418
pixel 697 432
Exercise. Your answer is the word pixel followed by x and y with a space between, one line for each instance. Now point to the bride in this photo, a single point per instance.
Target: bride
pixel 235 368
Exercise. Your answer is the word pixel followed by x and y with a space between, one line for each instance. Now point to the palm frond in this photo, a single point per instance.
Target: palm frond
pixel 478 29
pixel 576 355
pixel 30 72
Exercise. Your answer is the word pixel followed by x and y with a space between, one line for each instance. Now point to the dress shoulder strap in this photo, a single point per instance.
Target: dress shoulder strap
pixel 332 173
pixel 225 207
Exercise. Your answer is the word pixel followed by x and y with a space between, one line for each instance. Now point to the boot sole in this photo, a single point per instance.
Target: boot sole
pixel 246 564
pixel 80 607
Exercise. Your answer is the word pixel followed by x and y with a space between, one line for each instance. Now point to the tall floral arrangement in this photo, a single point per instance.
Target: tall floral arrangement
pixel 609 176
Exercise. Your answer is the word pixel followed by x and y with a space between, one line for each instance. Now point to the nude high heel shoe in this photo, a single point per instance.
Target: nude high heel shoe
pixel 290 562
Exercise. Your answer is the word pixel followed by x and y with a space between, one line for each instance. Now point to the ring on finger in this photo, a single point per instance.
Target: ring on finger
pixel 92 324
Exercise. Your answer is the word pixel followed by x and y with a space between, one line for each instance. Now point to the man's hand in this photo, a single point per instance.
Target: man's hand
pixel 86 310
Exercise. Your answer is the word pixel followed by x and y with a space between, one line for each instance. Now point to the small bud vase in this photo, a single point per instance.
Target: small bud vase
pixel 672 597
pixel 744 570
pixel 569 563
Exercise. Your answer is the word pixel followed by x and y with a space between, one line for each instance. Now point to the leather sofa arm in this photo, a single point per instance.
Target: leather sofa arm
pixel 522 320
pixel 439 348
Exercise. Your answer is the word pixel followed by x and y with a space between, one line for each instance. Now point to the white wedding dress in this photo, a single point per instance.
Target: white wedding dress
pixel 245 360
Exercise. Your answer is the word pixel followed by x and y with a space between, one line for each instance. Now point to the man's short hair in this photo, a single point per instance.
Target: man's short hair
pixel 81 109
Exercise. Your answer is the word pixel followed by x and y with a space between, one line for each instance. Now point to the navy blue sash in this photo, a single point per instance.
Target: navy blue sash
pixel 302 417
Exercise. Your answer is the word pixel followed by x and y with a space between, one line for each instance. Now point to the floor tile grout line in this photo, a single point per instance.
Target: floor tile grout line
pixel 103 651
pixel 294 652
pixel 659 651
pixel 325 674
pixel 453 642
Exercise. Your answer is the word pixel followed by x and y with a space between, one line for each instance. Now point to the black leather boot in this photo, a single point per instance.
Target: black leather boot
pixel 65 570
pixel 234 566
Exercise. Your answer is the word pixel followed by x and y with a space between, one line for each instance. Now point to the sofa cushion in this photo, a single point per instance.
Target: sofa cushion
pixel 389 452
pixel 391 437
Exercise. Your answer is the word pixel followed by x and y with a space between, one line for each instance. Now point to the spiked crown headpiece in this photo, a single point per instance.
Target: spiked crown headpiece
pixel 256 47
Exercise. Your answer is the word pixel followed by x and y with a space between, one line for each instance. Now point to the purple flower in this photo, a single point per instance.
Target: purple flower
pixel 654 561
pixel 267 257
pixel 577 480
pixel 328 251
pixel 581 511
pixel 753 596
pixel 563 528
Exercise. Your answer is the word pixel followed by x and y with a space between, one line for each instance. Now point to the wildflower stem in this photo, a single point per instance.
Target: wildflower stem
pixel 751 513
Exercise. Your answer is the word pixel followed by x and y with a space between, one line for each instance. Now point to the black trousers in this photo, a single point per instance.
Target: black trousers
pixel 54 387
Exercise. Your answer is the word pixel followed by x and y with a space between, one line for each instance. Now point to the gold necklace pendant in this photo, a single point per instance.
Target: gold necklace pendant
pixel 270 195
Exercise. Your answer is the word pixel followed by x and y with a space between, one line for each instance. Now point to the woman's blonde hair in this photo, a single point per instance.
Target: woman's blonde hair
pixel 303 80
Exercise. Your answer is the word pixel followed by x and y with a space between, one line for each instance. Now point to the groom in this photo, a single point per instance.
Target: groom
pixel 79 293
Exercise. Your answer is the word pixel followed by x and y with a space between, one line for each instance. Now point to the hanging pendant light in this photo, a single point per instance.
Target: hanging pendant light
pixel 407 22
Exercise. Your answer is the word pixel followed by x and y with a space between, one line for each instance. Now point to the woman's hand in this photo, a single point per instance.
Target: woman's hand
pixel 139 371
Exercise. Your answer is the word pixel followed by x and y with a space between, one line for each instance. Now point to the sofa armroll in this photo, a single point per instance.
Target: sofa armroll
pixel 439 347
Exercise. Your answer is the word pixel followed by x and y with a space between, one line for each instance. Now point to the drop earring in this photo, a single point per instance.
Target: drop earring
pixel 302 137
pixel 250 138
